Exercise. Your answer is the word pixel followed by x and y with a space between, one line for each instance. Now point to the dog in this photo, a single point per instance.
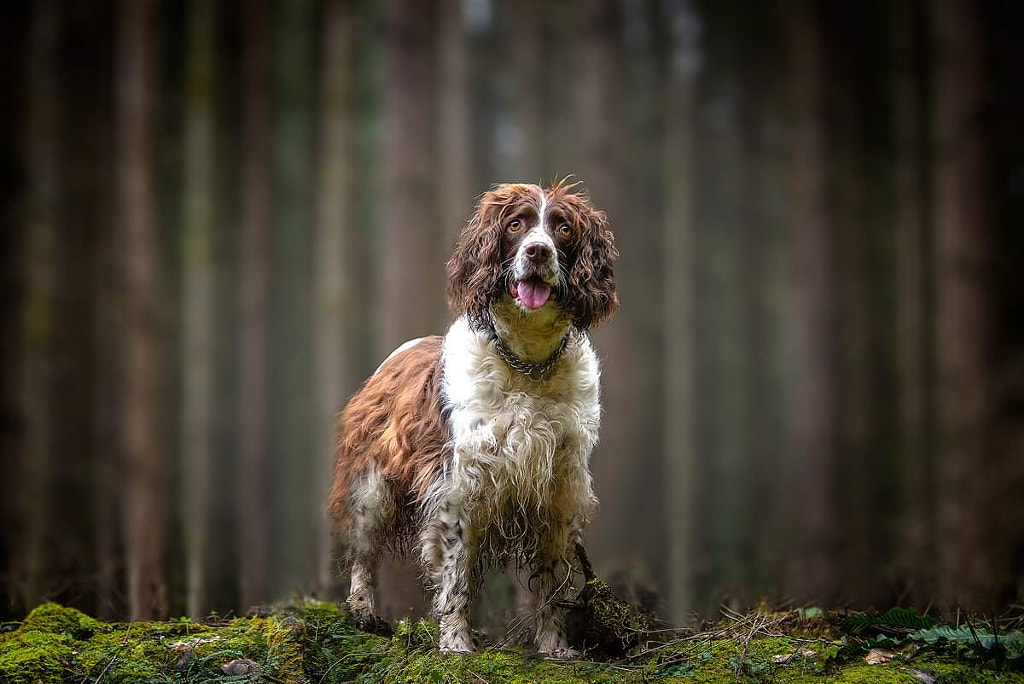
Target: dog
pixel 473 448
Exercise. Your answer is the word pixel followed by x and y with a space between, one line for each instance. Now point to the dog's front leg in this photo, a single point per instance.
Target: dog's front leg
pixel 455 581
pixel 550 582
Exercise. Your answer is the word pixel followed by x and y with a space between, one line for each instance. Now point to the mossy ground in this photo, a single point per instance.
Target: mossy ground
pixel 317 643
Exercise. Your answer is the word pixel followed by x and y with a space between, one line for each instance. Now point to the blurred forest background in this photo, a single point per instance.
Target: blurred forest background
pixel 220 215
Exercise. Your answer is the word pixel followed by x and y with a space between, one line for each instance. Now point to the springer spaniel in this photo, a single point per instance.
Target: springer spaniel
pixel 474 447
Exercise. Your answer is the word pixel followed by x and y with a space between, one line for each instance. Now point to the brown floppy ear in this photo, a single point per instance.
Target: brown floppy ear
pixel 474 271
pixel 592 296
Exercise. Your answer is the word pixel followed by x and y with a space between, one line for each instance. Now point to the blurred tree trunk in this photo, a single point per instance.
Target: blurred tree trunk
pixel 962 309
pixel 35 467
pixel 197 274
pixel 145 476
pixel 254 531
pixel 455 198
pixel 333 286
pixel 812 507
pixel 766 284
pixel 107 491
pixel 601 65
pixel 680 454
pixel 526 54
pixel 412 258
pixel 847 193
pixel 293 456
pixel 86 187
pixel 722 190
pixel 93 283
pixel 914 291
pixel 412 269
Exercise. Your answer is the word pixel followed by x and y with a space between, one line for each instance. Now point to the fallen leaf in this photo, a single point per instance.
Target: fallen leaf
pixel 190 644
pixel 878 656
pixel 786 657
pixel 241 666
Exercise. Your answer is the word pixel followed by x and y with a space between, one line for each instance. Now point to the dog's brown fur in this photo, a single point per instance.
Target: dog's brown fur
pixel 396 422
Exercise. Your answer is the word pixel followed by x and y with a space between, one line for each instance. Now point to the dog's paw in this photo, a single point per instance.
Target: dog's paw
pixel 446 650
pixel 457 643
pixel 564 653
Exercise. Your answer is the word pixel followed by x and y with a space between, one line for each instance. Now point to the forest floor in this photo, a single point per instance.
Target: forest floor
pixel 317 642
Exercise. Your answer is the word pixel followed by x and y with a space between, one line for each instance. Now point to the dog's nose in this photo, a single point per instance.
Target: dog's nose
pixel 538 252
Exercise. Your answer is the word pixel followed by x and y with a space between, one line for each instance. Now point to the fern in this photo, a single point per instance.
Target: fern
pixel 906 618
pixel 901 619
pixel 1013 642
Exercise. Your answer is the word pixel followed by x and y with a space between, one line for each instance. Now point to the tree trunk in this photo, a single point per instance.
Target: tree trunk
pixel 292 442
pixel 197 287
pixel 38 319
pixel 254 532
pixel 722 192
pixel 812 506
pixel 962 314
pixel 412 273
pixel 333 287
pixel 599 66
pixel 914 288
pixel 852 230
pixel 412 261
pixel 145 472
pixel 525 54
pixel 678 229
pixel 455 198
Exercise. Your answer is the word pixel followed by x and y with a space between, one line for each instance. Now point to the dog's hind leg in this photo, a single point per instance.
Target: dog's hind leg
pixel 370 506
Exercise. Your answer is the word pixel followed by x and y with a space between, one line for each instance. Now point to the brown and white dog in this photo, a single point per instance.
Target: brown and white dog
pixel 474 448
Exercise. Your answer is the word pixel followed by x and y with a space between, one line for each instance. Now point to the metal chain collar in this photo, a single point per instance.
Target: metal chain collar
pixel 534 371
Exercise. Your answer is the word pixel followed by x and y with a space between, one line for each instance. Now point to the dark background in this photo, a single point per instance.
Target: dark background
pixel 218 218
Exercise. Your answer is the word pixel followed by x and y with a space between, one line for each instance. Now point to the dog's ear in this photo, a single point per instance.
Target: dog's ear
pixel 591 293
pixel 474 271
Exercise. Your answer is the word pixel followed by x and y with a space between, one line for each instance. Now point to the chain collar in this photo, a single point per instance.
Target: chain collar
pixel 534 371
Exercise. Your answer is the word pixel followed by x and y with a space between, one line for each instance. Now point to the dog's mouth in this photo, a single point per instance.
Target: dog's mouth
pixel 533 292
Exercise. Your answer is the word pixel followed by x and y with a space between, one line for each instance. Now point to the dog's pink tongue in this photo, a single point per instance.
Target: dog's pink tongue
pixel 533 294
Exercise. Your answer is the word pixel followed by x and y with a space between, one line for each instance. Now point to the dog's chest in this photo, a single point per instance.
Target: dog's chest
pixel 514 437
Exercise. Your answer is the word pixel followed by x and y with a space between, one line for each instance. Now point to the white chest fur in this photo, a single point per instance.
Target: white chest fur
pixel 520 448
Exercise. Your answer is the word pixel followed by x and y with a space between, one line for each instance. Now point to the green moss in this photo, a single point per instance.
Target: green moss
pixel 317 642
pixel 43 647
pixel 949 671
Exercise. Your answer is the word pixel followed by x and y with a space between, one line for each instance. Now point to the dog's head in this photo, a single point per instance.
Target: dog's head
pixel 543 247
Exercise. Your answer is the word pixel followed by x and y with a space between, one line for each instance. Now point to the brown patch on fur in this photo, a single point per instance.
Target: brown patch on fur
pixel 590 296
pixel 396 421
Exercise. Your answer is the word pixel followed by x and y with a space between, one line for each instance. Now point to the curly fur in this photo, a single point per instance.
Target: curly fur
pixel 477 269
pixel 448 449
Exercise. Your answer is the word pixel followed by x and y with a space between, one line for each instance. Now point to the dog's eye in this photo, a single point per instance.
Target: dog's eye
pixel 565 230
pixel 514 225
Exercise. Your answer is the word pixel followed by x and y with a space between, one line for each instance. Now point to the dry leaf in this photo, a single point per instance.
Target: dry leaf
pixel 878 656
pixel 189 644
pixel 242 666
pixel 786 657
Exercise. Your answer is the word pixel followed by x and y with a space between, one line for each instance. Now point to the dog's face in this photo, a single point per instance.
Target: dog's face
pixel 541 247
